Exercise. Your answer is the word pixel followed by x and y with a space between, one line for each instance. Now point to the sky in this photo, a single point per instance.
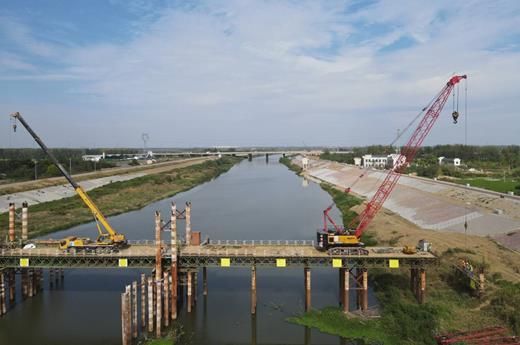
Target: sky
pixel 92 73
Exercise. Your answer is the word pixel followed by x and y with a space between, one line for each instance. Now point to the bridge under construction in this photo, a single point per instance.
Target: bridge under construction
pixel 175 266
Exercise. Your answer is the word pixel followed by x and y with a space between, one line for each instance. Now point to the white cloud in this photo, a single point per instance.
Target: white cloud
pixel 255 73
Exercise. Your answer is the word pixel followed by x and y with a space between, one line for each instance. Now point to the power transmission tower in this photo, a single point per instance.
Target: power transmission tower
pixel 145 137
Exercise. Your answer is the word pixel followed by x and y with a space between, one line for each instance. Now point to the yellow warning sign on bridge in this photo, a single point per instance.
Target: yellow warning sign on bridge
pixel 225 262
pixel 123 262
pixel 24 262
pixel 393 263
pixel 337 263
pixel 281 263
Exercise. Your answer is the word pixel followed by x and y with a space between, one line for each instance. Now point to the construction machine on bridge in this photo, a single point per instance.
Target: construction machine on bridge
pixel 108 239
pixel 337 240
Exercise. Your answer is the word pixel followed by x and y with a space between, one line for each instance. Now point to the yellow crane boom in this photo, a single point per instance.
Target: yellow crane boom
pixel 107 234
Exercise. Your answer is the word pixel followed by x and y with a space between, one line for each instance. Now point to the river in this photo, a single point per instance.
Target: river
pixel 254 200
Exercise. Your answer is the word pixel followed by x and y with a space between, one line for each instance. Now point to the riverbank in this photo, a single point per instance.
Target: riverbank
pixel 451 304
pixel 17 187
pixel 120 197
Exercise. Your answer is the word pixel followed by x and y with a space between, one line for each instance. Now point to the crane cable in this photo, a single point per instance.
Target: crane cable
pixel 466 147
pixel 399 135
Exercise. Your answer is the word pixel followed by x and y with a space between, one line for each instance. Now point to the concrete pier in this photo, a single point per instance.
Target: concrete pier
pixel 134 310
pixel 253 290
pixel 204 281
pixel 51 277
pixel 174 274
pixel 30 281
pixel 188 223
pixel 3 297
pixel 124 324
pixel 344 289
pixel 418 283
pixel 166 286
pixel 307 274
pixel 158 275
pixel 422 286
pixel 24 282
pixel 12 286
pixel 128 313
pixel 189 288
pixel 25 221
pixel 143 301
pixel 150 305
pixel 11 222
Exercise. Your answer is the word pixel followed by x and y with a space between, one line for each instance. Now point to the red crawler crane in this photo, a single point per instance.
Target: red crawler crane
pixel 327 239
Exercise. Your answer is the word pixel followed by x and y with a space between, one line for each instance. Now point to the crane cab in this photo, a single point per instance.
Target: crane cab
pixel 72 242
pixel 327 240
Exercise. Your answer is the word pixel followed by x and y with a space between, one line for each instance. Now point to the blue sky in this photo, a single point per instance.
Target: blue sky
pixel 205 73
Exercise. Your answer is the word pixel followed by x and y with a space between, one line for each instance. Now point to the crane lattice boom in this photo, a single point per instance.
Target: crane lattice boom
pixel 407 155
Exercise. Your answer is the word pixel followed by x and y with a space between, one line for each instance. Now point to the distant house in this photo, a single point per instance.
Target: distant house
pixel 392 160
pixel 358 161
pixel 93 158
pixel 374 161
pixel 388 161
pixel 305 163
pixel 449 161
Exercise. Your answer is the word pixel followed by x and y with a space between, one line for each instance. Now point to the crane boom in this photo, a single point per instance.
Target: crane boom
pixel 407 155
pixel 109 233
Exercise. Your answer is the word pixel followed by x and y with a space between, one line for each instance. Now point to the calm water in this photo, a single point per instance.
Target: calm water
pixel 254 200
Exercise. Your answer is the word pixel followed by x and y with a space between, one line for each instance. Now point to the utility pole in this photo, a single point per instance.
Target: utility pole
pixel 70 165
pixel 35 169
pixel 145 137
pixel 397 149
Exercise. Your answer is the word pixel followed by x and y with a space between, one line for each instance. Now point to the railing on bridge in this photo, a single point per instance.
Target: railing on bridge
pixel 227 242
pixel 261 242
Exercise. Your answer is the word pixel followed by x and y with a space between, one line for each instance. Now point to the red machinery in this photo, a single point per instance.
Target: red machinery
pixel 408 152
pixel 486 336
pixel 326 218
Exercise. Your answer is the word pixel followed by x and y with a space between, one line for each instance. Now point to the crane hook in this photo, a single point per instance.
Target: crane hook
pixel 455 116
pixel 14 124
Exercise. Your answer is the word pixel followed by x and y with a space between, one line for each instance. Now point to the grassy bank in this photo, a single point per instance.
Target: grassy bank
pixel 11 188
pixel 497 185
pixel 345 202
pixel 293 167
pixel 119 197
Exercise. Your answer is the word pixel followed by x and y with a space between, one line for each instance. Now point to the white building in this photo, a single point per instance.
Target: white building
pixel 93 158
pixel 374 161
pixel 305 163
pixel 392 160
pixel 358 161
pixel 388 161
pixel 449 161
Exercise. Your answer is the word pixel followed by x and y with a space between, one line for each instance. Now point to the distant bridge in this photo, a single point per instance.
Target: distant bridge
pixel 238 153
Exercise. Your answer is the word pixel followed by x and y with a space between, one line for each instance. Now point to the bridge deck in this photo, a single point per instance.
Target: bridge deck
pixel 215 255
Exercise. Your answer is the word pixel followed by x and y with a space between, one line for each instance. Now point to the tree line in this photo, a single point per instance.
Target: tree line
pixel 472 156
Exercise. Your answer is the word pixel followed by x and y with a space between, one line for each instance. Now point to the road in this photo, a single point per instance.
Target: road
pixel 56 192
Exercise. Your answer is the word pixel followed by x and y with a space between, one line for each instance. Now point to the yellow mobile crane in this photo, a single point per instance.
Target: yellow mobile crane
pixel 108 239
